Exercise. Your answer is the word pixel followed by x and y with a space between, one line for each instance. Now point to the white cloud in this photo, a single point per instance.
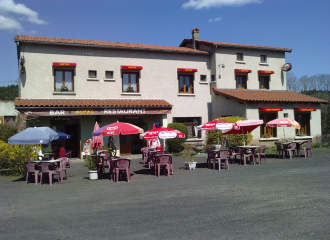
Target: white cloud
pixel 9 24
pixel 199 4
pixel 215 20
pixel 16 11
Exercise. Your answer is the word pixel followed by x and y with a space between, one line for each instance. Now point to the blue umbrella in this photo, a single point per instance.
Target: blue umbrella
pixel 36 135
pixel 63 135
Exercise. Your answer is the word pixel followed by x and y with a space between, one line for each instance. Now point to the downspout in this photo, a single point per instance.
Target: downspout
pixel 19 74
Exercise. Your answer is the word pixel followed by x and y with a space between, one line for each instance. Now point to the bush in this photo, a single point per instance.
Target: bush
pixel 7 131
pixel 234 139
pixel 175 144
pixel 13 157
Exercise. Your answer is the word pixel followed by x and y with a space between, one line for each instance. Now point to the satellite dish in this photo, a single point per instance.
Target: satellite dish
pixel 286 67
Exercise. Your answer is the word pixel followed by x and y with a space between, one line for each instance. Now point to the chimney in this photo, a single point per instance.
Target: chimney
pixel 195 36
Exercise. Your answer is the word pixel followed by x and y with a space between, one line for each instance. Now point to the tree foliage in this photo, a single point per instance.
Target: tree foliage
pixel 176 144
pixel 234 139
pixel 6 131
pixel 9 92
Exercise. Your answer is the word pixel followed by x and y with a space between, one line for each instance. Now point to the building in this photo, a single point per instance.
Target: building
pixel 71 83
pixel 8 114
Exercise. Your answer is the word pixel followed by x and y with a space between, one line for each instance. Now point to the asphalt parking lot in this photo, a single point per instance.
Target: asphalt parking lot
pixel 282 199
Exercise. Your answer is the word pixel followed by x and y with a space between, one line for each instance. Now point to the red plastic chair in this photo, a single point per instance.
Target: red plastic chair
pixel 31 169
pixel 68 156
pixel 223 156
pixel 210 156
pixel 233 152
pixel 151 157
pixel 50 169
pixel 308 148
pixel 122 165
pixel 244 155
pixel 111 164
pixel 262 152
pixel 279 149
pixel 291 149
pixel 144 151
pixel 162 161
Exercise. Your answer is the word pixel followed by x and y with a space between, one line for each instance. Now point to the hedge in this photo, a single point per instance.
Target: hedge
pixel 175 144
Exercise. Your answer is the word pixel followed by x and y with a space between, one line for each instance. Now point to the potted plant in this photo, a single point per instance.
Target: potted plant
pixel 89 162
pixel 64 88
pixel 188 153
pixel 130 89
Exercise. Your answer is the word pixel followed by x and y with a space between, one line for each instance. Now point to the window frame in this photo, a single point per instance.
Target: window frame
pixel 89 73
pixel 63 70
pixel 245 81
pixel 241 59
pixel 203 76
pixel 189 124
pixel 108 72
pixel 261 56
pixel 137 73
pixel 191 80
pixel 263 128
pixel 305 128
pixel 266 79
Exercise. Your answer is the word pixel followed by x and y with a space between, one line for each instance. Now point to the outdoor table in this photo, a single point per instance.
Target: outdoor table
pixel 298 146
pixel 252 148
pixel 55 161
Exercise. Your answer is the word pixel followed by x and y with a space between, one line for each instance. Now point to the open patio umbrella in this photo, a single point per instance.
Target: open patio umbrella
pixel 118 128
pixel 243 127
pixel 283 122
pixel 63 135
pixel 217 125
pixel 35 135
pixel 97 141
pixel 163 133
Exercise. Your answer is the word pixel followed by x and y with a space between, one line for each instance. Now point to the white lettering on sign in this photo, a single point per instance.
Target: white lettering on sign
pixel 112 128
pixel 125 111
pixel 56 112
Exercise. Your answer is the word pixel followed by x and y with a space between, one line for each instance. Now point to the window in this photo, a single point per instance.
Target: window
pixel 92 74
pixel 186 83
pixel 109 74
pixel 304 120
pixel 191 123
pixel 130 82
pixel 241 81
pixel 265 131
pixel 64 77
pixel 203 78
pixel 263 59
pixel 263 82
pixel 239 57
pixel 212 78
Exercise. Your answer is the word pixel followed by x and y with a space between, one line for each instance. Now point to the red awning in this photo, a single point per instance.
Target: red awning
pixel 131 67
pixel 305 109
pixel 243 71
pixel 265 72
pixel 187 70
pixel 64 64
pixel 270 109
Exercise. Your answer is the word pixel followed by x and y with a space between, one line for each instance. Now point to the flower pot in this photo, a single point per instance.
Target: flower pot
pixel 64 90
pixel 93 175
pixel 191 165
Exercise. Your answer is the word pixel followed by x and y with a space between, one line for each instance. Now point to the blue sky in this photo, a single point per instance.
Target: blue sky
pixel 302 25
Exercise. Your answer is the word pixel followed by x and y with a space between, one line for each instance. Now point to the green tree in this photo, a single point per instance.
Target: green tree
pixel 175 144
pixel 9 92
pixel 6 131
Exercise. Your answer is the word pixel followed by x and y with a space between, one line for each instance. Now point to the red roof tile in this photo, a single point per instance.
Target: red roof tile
pixel 268 96
pixel 109 103
pixel 236 45
pixel 105 44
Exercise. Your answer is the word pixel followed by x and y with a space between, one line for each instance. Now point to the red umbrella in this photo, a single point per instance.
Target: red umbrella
pixel 163 133
pixel 243 127
pixel 118 128
pixel 97 140
pixel 283 122
pixel 217 125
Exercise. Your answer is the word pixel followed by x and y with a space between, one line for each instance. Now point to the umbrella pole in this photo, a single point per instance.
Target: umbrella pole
pixel 283 134
pixel 218 141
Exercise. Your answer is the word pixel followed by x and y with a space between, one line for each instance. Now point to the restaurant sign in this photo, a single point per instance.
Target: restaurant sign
pixel 305 109
pixel 270 109
pixel 94 111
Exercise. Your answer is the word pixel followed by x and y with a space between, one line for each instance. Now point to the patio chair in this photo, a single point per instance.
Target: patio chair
pixel 210 155
pixel 122 165
pixel 262 152
pixel 244 155
pixel 291 149
pixel 223 156
pixel 111 164
pixel 279 149
pixel 50 169
pixel 308 148
pixel 62 168
pixel 68 156
pixel 144 151
pixel 99 160
pixel 162 161
pixel 233 152
pixel 151 157
pixel 31 169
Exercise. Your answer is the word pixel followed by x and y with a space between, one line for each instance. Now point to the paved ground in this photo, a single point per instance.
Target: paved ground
pixel 283 199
